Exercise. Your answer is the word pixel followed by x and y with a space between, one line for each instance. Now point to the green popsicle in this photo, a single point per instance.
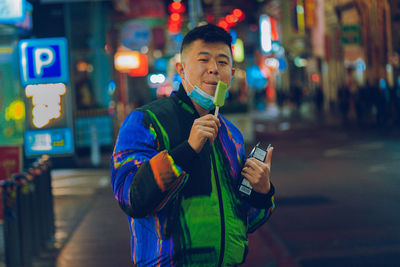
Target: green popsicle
pixel 220 93
pixel 219 97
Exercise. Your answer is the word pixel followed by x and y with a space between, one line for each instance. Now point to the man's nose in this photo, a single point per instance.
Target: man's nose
pixel 212 67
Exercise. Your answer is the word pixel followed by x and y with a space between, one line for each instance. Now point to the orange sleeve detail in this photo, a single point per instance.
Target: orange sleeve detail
pixel 163 172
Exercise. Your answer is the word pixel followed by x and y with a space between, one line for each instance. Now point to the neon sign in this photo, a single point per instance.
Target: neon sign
pixel 15 111
pixel 265 34
pixel 46 101
pixel 12 11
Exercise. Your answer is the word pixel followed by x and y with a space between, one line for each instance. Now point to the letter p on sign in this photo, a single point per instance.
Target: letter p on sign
pixel 43 61
pixel 44 57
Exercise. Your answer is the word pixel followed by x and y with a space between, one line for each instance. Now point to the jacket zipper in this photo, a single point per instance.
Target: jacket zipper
pixel 221 209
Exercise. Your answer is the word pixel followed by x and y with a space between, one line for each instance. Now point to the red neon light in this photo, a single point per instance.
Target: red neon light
pixel 274 29
pixel 231 19
pixel 210 18
pixel 238 13
pixel 315 77
pixel 175 17
pixel 223 24
pixel 142 69
pixel 176 7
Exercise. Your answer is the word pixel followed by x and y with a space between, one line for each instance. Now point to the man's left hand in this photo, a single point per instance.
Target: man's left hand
pixel 258 173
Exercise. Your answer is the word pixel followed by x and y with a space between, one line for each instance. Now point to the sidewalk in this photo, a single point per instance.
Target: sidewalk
pixel 101 239
pixel 91 230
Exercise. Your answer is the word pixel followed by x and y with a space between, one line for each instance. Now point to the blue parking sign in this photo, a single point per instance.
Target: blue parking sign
pixel 43 61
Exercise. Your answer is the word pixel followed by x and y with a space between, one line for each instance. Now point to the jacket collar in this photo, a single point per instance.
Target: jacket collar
pixel 183 100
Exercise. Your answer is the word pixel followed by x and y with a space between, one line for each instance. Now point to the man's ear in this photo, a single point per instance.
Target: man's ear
pixel 180 70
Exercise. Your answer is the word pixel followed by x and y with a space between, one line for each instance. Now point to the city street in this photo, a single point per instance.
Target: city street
pixel 337 195
pixel 336 198
pixel 80 80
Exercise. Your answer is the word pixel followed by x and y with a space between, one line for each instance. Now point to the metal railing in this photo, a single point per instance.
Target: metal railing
pixel 28 212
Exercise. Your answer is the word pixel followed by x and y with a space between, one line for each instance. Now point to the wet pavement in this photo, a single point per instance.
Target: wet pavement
pixel 91 230
pixel 337 195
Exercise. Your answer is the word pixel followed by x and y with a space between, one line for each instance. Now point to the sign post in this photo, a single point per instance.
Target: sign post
pixel 44 75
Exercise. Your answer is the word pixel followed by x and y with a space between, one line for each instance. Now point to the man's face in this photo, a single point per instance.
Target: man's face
pixel 204 64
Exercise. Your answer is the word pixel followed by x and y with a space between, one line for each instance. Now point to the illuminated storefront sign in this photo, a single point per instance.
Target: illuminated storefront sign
pixel 156 79
pixel 26 23
pixel 46 101
pixel 238 51
pixel 15 111
pixel 131 62
pixel 265 34
pixel 351 34
pixel 12 11
pixel 51 141
pixel 135 34
pixel 309 7
pixel 43 61
pixel 300 16
pixel 125 61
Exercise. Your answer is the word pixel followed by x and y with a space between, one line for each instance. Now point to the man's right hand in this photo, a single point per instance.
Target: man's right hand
pixel 203 128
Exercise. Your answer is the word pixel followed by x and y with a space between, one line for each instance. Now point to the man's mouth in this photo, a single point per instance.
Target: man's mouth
pixel 211 83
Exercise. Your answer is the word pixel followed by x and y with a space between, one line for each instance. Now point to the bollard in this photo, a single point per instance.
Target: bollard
pixel 34 216
pixel 43 175
pixel 44 199
pixel 10 224
pixel 41 204
pixel 44 161
pixel 24 218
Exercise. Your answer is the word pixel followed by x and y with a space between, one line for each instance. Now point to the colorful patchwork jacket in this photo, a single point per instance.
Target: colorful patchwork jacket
pixel 183 208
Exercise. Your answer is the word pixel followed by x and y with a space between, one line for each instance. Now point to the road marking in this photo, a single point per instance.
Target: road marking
pixel 78 181
pixel 377 168
pixel 370 146
pixel 334 152
pixel 356 148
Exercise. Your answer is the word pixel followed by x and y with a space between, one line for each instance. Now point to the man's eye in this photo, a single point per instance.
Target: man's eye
pixel 203 60
pixel 223 62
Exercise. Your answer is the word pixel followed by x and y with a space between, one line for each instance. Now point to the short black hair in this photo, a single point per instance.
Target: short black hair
pixel 208 33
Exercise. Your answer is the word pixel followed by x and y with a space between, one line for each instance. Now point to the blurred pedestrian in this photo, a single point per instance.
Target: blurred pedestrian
pixel 84 91
pixel 383 104
pixel 297 96
pixel 176 167
pixel 344 103
pixel 361 104
pixel 319 103
pixel 396 98
pixel 280 97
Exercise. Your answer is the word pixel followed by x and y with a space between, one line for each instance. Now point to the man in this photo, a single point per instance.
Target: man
pixel 176 168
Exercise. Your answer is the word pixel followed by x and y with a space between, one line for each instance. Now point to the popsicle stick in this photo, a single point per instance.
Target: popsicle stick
pixel 216 111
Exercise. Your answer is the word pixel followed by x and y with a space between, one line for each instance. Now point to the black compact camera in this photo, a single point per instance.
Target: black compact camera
pixel 259 153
